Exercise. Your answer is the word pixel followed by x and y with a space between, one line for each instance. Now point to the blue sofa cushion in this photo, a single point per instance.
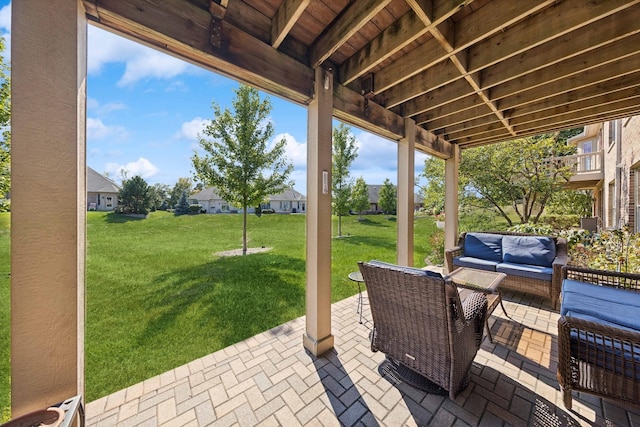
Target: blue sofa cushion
pixel 532 250
pixel 617 307
pixel 484 246
pixel 413 270
pixel 526 270
pixel 480 264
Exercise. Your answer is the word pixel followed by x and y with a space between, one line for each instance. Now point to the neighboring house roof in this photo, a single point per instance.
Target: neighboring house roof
pixel 374 194
pixel 98 183
pixel 210 193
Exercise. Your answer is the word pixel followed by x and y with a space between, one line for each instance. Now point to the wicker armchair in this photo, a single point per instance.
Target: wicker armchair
pixel 596 357
pixel 420 323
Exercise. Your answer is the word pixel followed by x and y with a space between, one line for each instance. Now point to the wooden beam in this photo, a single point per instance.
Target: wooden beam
pixel 343 28
pixel 483 23
pixel 182 29
pixel 596 42
pixel 553 22
pixel 398 35
pixel 540 89
pixel 439 97
pixel 285 18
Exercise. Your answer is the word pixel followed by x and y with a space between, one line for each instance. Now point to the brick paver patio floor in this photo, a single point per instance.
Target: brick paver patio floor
pixel 270 380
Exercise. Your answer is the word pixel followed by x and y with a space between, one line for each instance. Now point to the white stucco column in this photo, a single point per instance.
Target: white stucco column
pixel 406 180
pixel 48 194
pixel 318 338
pixel 451 171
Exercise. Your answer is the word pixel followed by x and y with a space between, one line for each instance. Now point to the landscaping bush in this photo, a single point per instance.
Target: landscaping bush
pixel 561 221
pixel 615 250
pixel 195 209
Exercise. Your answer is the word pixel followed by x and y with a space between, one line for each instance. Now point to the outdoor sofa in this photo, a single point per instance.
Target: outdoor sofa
pixel 422 326
pixel 533 264
pixel 599 334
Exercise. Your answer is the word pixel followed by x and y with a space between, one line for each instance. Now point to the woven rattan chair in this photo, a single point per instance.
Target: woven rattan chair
pixel 597 358
pixel 420 323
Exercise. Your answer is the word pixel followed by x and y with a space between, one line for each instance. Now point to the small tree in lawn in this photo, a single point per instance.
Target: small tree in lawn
pixel 135 196
pixel 388 198
pixel 237 160
pixel 344 153
pixel 360 196
pixel 183 185
pixel 182 208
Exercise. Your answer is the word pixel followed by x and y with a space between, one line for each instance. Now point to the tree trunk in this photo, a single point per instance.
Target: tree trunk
pixel 339 225
pixel 244 230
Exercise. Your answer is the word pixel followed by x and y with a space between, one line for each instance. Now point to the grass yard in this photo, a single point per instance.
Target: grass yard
pixel 158 296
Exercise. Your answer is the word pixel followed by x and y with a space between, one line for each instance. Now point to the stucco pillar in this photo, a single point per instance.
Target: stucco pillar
pixel 406 180
pixel 318 338
pixel 48 195
pixel 451 171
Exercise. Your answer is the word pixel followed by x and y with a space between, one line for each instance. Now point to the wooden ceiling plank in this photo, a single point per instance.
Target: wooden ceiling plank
pixel 605 91
pixel 482 23
pixel 462 117
pixel 623 100
pixel 437 98
pixel 397 36
pixel 540 89
pixel 285 18
pixel 348 23
pixel 613 29
pixel 560 19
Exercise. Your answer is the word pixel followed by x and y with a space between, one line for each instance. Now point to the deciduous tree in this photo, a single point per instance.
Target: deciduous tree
pixel 360 196
pixel 388 198
pixel 5 119
pixel 183 185
pixel 344 153
pixel 237 160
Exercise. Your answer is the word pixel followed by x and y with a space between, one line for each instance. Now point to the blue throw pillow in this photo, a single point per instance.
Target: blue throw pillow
pixel 533 250
pixel 484 246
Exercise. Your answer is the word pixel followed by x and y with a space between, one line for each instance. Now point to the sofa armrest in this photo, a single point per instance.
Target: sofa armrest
pixel 615 279
pixel 450 254
pixel 609 348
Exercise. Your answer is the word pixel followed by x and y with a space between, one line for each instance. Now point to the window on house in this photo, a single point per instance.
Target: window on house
pixel 611 209
pixel 613 132
pixel 285 206
pixel 109 202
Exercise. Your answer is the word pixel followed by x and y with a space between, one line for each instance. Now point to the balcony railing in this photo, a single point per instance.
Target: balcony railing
pixel 585 166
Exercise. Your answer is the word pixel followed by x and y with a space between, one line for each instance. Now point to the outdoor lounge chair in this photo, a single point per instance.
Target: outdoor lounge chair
pixel 599 334
pixel 420 323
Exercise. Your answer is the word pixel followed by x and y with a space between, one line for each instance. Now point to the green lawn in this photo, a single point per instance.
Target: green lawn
pixel 158 297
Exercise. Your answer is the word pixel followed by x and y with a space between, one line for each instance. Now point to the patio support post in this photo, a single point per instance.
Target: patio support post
pixel 451 171
pixel 318 338
pixel 48 202
pixel 406 179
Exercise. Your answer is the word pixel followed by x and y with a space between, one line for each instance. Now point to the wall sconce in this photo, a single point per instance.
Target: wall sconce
pixel 327 74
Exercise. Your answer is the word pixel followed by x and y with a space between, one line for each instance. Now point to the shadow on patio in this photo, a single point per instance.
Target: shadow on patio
pixel 269 379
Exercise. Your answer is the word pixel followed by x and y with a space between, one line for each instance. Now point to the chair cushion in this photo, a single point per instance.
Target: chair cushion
pixel 526 270
pixel 484 246
pixel 616 307
pixel 413 270
pixel 532 250
pixel 480 264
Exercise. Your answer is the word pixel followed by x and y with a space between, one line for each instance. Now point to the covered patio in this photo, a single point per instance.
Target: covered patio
pixel 270 380
pixel 436 76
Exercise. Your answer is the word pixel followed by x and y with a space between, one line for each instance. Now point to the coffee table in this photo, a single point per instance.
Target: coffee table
pixel 487 282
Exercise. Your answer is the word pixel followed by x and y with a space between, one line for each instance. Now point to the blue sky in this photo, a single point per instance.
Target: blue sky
pixel 145 110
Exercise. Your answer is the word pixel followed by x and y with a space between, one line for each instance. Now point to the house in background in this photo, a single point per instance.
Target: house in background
pixel 102 193
pixel 374 196
pixel 289 201
pixel 607 163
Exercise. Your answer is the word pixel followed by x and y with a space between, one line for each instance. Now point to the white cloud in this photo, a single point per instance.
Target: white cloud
pixel 142 167
pixel 295 151
pixel 192 129
pixel 104 109
pixel 141 62
pixel 96 129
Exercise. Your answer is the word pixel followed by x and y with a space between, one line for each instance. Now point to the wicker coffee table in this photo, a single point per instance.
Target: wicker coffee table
pixel 487 282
